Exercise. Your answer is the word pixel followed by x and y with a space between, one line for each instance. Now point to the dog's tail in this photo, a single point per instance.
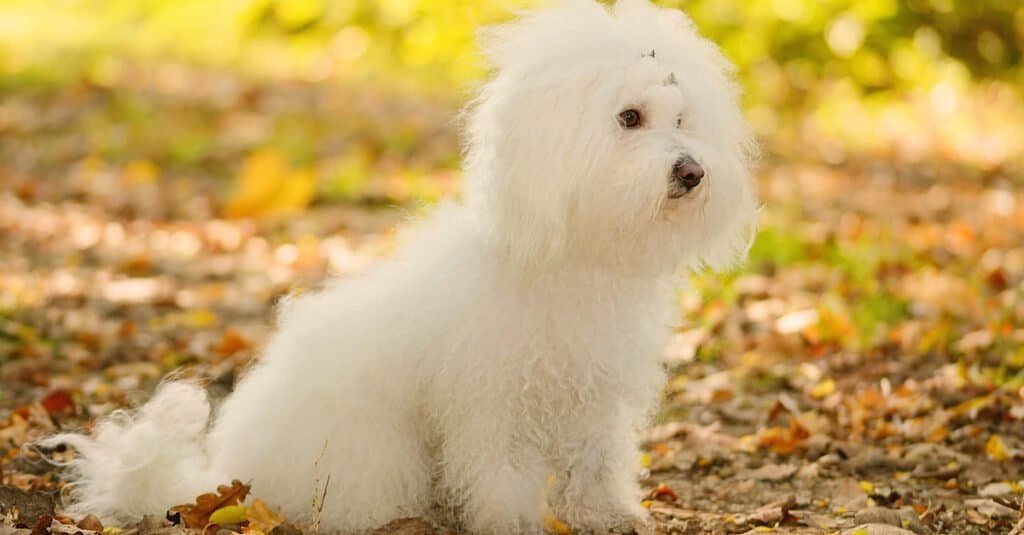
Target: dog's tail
pixel 142 462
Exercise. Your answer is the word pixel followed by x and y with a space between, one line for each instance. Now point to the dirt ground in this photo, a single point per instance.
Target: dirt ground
pixel 862 375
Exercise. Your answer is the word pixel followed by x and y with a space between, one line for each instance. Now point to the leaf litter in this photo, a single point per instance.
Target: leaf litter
pixel 864 373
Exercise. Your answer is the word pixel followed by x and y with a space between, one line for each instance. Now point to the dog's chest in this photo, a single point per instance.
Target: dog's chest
pixel 572 354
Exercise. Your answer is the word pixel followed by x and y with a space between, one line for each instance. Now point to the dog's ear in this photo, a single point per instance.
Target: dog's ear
pixel 512 182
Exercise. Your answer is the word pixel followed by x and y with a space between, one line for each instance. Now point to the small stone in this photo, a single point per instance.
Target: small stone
pixel 830 459
pixel 982 471
pixel 871 460
pixel 848 493
pixel 996 489
pixel 877 515
pixel 904 518
pixel 773 472
pixel 809 471
pixel 991 509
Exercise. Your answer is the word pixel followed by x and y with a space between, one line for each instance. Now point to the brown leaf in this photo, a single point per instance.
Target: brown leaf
pixel 261 518
pixel 197 515
pixel 42 525
pixel 770 514
pixel 784 440
pixel 664 492
pixel 91 523
pixel 231 343
pixel 58 402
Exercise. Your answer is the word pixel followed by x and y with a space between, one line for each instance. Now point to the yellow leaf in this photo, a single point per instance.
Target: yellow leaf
pixel 257 183
pixel 646 504
pixel 261 518
pixel 200 318
pixel 296 193
pixel 996 449
pixel 645 460
pixel 867 486
pixel 824 388
pixel 267 186
pixel 230 514
pixel 199 515
pixel 111 530
pixel 554 525
pixel 141 172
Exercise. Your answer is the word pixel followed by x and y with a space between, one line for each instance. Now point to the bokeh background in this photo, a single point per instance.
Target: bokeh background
pixel 170 168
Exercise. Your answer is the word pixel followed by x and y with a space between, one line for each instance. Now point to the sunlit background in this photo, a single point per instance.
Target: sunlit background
pixel 169 168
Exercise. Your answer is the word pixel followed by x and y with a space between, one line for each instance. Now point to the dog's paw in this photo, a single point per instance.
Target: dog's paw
pixel 624 527
pixel 605 519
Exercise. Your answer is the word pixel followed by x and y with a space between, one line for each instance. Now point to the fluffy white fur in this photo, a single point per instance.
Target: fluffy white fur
pixel 514 336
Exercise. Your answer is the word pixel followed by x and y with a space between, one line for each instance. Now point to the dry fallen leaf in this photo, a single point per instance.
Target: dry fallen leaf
pixel 91 523
pixel 773 513
pixel 197 515
pixel 261 518
pixel 232 342
pixel 784 440
pixel 268 186
pixel 996 448
pixel 665 492
pixel 58 402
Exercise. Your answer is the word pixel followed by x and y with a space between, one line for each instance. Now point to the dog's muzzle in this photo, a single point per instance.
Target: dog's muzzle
pixel 686 175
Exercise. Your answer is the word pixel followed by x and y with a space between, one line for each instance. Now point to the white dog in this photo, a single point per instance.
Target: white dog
pixel 515 336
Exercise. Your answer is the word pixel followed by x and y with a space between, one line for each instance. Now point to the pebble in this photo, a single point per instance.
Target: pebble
pixel 991 509
pixel 904 518
pixel 996 489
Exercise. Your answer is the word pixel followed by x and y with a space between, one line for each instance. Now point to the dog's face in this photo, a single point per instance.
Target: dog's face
pixel 611 137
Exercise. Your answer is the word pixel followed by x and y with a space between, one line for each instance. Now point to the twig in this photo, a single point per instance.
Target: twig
pixel 1019 528
pixel 323 498
pixel 319 507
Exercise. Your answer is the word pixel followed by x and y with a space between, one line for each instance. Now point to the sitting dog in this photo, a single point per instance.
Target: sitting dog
pixel 503 359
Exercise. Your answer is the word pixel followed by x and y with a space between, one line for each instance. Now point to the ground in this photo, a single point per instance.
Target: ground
pixel 864 368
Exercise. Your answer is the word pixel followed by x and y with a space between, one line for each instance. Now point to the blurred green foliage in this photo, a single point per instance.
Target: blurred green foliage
pixel 784 48
pixel 908 79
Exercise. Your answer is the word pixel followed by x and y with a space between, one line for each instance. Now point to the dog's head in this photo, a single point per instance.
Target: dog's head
pixel 610 136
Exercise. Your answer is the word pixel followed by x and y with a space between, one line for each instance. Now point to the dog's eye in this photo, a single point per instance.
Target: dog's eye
pixel 630 119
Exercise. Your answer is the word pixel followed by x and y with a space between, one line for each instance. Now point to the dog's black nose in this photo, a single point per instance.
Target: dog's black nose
pixel 688 172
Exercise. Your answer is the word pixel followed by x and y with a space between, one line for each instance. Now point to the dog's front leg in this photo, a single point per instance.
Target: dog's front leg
pixel 597 485
pixel 499 488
